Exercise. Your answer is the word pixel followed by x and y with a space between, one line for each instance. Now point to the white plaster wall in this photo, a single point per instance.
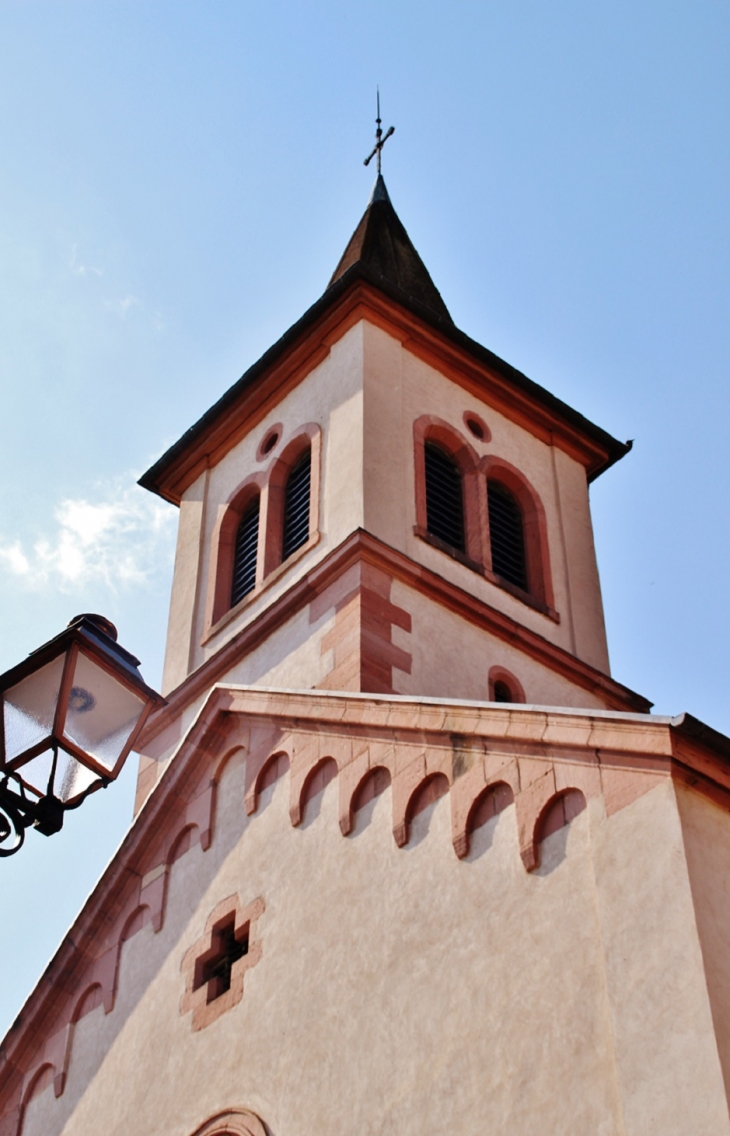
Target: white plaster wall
pixel 331 396
pixel 185 586
pixel 669 1073
pixel 405 991
pixel 399 388
pixel 582 581
pixel 706 829
pixel 290 658
pixel 451 658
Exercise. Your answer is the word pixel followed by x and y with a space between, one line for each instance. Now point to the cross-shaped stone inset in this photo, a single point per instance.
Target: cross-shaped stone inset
pixel 215 966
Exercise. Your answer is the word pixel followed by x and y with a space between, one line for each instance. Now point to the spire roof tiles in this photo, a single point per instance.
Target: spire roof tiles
pixel 381 245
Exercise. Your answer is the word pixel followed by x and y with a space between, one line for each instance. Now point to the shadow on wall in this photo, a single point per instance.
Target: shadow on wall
pixel 421 808
pixel 554 829
pixel 484 816
pixel 313 793
pixel 366 798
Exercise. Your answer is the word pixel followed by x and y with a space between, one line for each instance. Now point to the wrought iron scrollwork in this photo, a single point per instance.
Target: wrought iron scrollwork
pixel 12 821
pixel 18 811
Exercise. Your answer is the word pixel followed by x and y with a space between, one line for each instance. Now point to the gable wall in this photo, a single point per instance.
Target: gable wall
pixel 403 989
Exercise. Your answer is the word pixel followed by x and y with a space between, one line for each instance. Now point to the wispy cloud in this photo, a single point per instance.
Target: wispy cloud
pixel 82 269
pixel 121 307
pixel 118 537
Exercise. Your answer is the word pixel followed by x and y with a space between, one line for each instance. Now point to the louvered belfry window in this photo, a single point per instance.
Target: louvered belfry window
pixel 507 535
pixel 296 505
pixel 244 557
pixel 444 497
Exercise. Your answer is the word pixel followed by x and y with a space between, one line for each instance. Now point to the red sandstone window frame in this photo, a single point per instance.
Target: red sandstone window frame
pixel 476 472
pixel 515 687
pixel 195 996
pixel 534 527
pixel 430 429
pixel 224 544
pixel 305 439
pixel 270 483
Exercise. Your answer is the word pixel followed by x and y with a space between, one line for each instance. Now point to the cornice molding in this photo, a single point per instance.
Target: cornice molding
pixel 357 296
pixel 361 545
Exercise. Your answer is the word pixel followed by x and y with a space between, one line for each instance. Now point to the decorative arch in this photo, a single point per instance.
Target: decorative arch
pixel 490 803
pixel 182 843
pixel 275 767
pixel 372 785
pixel 559 811
pixel 430 790
pixel 91 997
pixel 134 922
pixel 224 543
pixel 236 751
pixel 500 675
pixel 43 1076
pixel 87 1001
pixel 427 793
pixel 430 429
pixel 316 781
pixel 232 1122
pixel 534 522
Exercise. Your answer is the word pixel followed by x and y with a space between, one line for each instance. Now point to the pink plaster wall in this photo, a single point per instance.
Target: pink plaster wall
pixel 385 959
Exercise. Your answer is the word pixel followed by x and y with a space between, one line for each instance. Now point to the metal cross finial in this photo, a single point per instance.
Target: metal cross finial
pixel 380 138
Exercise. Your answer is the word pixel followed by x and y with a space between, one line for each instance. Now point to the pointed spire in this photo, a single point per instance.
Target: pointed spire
pixel 380 193
pixel 381 245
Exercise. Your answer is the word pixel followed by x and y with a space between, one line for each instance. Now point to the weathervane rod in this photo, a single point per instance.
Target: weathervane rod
pixel 380 138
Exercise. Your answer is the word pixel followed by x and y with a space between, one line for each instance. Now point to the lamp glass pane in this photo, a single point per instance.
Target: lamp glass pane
pixel 102 712
pixel 29 708
pixel 71 777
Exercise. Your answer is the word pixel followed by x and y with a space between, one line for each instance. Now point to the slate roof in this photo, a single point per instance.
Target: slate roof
pixel 381 244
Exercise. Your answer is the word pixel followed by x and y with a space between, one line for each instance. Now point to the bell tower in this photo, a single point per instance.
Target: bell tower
pixel 381 504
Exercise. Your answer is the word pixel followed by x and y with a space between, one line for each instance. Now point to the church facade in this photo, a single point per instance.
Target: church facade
pixel 405 856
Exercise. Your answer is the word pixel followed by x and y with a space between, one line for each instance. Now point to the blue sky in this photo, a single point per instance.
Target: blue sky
pixel 177 183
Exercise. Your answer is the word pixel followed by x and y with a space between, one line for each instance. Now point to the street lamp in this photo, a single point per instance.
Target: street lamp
pixel 70 715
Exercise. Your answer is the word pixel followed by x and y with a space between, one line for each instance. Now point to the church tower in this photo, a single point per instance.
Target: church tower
pixel 406 857
pixel 380 504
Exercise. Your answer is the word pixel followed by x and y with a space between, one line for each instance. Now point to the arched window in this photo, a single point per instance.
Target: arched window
pixel 444 497
pixel 507 535
pixel 504 687
pixel 245 552
pixel 296 505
